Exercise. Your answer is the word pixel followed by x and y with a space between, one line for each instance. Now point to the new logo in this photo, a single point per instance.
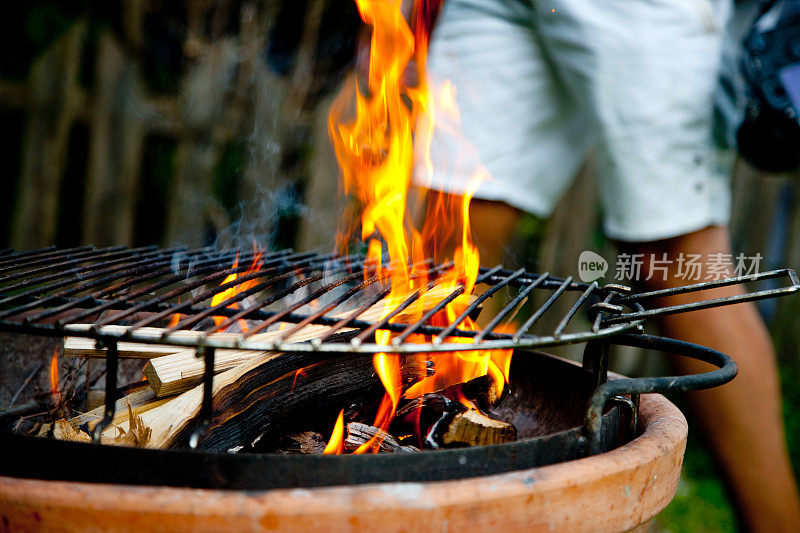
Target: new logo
pixel 591 266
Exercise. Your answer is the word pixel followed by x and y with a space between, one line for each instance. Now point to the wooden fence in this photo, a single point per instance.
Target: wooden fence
pixel 228 100
pixel 229 97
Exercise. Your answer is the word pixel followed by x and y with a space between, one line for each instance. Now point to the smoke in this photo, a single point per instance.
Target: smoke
pixel 262 217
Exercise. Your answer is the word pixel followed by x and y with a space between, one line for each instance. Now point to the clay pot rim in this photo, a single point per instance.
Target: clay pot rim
pixel 649 466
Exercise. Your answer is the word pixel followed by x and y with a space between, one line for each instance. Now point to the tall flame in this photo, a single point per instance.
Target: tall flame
pixel 394 123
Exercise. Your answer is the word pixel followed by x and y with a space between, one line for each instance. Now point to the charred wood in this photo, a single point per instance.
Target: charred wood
pixel 358 434
pixel 302 443
pixel 448 423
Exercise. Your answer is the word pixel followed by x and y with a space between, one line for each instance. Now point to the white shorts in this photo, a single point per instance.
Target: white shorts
pixel 539 83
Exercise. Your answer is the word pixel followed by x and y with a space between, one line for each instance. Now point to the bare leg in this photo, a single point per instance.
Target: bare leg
pixel 492 223
pixel 742 420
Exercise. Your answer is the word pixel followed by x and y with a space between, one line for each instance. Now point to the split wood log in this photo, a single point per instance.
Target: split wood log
pixel 179 372
pixel 63 430
pixel 358 434
pixel 87 348
pixel 473 428
pixel 135 399
pixel 137 435
pixel 121 416
pixel 265 393
pixel 448 423
pixel 83 347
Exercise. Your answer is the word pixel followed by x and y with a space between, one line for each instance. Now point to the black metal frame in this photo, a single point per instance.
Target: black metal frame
pixel 595 359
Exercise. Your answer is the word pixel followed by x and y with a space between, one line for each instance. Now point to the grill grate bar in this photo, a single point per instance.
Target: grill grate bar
pixel 544 307
pixel 139 276
pixel 184 288
pixel 97 278
pixel 311 297
pixel 438 339
pixel 194 268
pixel 381 324
pixel 286 291
pixel 348 295
pixel 706 304
pixel 521 295
pixel 144 286
pixel 349 318
pixel 210 293
pixel 438 307
pixel 327 308
pixel 29 273
pixel 65 278
pixel 367 333
pixel 598 320
pixel 35 257
pixel 574 309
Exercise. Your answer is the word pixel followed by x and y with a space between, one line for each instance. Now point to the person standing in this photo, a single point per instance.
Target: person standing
pixel 540 83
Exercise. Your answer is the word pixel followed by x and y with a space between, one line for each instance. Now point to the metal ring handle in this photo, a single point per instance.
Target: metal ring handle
pixel 726 371
pixel 787 273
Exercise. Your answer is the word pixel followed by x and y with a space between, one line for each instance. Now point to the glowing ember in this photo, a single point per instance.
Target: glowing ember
pixel 335 445
pixel 375 151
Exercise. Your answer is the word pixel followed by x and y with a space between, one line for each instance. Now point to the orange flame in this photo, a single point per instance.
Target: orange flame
pixel 176 318
pixel 236 289
pixel 55 388
pixel 335 444
pixel 393 124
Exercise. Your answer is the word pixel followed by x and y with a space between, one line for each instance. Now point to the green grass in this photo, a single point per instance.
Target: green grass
pixel 700 504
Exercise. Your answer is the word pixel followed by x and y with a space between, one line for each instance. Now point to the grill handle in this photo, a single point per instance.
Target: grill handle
pixel 726 371
pixel 791 275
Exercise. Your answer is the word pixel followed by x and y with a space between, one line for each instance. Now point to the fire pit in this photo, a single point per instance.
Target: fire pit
pixel 573 426
pixel 614 491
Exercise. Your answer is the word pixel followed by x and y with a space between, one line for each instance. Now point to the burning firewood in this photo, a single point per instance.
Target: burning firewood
pixel 179 372
pixel 473 428
pixel 303 443
pixel 358 434
pixel 448 423
pixel 483 391
pixel 264 393
pixel 122 415
pixel 83 347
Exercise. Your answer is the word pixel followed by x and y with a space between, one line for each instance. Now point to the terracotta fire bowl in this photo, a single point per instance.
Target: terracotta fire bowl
pixel 616 491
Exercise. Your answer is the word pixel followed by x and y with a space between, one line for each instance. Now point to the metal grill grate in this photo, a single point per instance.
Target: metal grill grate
pixel 49 291
pixel 119 294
